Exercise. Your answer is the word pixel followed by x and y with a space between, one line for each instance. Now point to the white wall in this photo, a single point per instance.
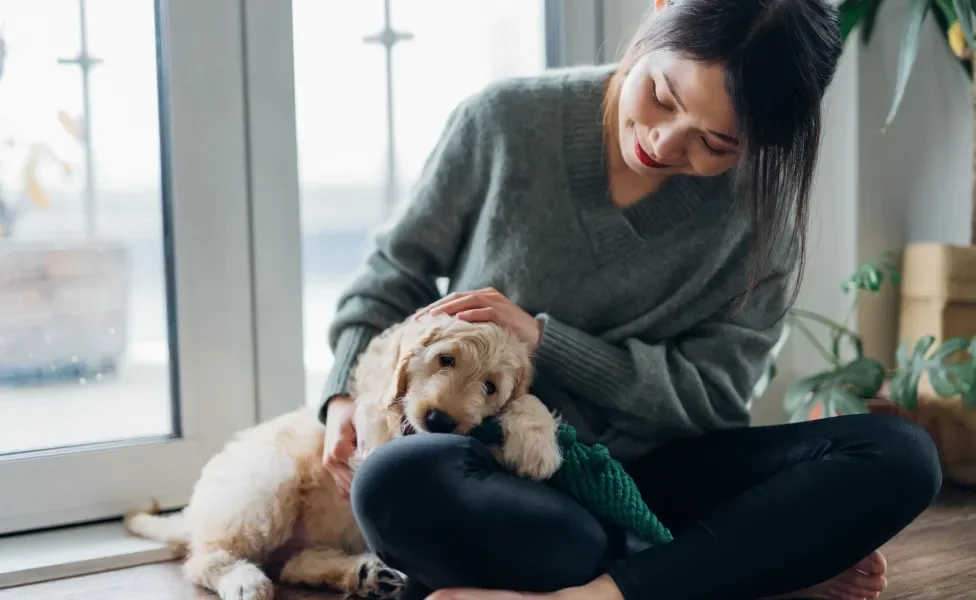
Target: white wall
pixel 874 191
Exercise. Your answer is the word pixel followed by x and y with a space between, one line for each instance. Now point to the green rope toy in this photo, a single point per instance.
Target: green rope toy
pixel 594 479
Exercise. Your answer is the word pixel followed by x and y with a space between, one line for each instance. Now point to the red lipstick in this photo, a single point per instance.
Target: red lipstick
pixel 645 158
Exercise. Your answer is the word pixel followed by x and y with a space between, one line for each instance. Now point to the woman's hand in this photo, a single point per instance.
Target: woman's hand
pixel 340 441
pixel 489 305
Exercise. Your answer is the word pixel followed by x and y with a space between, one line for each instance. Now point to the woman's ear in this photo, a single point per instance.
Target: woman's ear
pixel 660 5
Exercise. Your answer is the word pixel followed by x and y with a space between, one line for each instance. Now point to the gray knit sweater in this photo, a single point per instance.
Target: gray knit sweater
pixel 642 342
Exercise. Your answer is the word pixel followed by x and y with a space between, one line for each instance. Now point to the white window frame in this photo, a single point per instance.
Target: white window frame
pixel 236 263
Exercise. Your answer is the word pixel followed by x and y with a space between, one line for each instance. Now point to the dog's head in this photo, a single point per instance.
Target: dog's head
pixel 451 374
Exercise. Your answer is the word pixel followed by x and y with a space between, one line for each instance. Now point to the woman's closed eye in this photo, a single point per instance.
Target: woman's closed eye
pixel 715 151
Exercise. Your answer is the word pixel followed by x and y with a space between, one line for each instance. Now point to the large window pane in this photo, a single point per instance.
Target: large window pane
pixel 84 330
pixel 440 52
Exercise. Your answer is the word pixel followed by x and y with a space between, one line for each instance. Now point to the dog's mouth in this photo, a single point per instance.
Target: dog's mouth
pixel 406 427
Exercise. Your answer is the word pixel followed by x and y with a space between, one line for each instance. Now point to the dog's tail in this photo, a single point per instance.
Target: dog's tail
pixel 167 529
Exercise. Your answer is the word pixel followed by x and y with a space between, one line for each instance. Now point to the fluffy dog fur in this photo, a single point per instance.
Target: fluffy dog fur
pixel 265 502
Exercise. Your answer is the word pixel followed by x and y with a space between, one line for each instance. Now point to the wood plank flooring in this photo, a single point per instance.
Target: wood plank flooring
pixel 934 559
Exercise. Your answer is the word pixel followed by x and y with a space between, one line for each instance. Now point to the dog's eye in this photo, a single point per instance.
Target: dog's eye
pixel 490 388
pixel 446 360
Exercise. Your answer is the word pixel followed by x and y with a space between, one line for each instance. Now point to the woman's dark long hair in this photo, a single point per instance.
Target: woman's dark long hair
pixel 779 56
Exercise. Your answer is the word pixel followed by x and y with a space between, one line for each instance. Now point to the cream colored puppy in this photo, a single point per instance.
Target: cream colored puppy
pixel 265 502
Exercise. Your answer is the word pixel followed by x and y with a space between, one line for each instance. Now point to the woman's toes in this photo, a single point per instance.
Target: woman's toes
pixel 875 563
pixel 869 583
pixel 846 590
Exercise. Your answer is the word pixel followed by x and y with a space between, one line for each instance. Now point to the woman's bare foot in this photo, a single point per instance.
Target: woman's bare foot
pixel 865 581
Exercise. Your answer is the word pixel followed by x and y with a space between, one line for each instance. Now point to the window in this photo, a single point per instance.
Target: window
pixel 182 178
pixel 375 82
pixel 126 342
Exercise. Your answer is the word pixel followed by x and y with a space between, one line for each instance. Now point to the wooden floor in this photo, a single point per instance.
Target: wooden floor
pixel 934 559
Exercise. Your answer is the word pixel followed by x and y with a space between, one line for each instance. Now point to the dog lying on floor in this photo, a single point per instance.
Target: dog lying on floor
pixel 265 502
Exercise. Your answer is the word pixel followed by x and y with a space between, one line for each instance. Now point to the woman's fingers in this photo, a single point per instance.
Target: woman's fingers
pixel 480 315
pixel 447 304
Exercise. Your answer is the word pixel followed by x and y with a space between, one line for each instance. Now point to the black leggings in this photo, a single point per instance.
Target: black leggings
pixel 755 512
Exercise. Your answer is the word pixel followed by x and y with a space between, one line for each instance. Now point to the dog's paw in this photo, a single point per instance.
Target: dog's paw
pixel 376 581
pixel 246 584
pixel 531 446
pixel 534 455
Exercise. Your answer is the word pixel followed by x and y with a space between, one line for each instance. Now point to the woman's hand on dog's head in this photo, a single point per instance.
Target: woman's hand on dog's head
pixel 340 441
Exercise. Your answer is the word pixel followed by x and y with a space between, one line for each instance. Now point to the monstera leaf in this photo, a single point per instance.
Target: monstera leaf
pixel 840 391
pixel 948 377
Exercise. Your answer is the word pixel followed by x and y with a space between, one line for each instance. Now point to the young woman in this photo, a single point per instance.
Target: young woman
pixel 639 226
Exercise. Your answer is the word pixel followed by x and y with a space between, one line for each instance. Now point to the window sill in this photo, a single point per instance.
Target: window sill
pixel 73 551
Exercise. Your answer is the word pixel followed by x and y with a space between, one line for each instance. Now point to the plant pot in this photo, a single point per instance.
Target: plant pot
pixel 952 426
pixel 938 298
pixel 63 309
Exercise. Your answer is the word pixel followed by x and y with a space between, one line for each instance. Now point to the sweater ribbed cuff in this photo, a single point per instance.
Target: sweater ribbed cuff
pixel 580 360
pixel 351 343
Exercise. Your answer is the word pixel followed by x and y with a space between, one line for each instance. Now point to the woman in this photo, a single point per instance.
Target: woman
pixel 638 227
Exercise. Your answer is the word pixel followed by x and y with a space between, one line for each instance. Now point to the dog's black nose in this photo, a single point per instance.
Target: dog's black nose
pixel 438 421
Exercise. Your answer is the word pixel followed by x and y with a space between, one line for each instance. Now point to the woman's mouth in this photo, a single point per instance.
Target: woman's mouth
pixel 645 158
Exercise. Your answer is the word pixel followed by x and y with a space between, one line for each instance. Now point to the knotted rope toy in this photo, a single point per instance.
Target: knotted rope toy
pixel 594 479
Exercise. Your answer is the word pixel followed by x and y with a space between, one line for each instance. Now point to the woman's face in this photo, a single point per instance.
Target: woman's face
pixel 675 117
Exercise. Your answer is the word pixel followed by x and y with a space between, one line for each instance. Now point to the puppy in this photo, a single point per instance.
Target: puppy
pixel 265 503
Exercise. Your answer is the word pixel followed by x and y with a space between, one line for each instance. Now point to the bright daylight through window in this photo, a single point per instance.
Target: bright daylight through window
pixel 84 332
pixel 367 117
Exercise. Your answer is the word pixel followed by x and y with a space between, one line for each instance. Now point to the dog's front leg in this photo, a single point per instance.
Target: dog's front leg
pixel 530 447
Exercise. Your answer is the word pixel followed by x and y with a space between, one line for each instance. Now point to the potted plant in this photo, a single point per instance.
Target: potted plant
pixel 932 383
pixel 63 303
pixel 934 380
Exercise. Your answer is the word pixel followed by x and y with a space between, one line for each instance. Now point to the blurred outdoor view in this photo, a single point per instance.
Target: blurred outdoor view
pixel 84 330
pixel 451 50
pixel 83 324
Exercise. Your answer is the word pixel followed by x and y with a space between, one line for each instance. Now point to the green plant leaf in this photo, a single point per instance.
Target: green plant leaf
pixel 858 13
pixel 904 385
pixel 842 390
pixel 948 377
pixel 868 21
pixel 946 8
pixel 856 343
pixel 909 53
pixel 870 276
pixel 846 405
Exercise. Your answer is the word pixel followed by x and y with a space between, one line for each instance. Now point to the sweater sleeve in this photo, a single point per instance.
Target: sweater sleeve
pixel 696 382
pixel 418 246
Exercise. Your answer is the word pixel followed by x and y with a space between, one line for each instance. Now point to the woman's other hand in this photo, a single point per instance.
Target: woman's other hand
pixel 489 305
pixel 340 441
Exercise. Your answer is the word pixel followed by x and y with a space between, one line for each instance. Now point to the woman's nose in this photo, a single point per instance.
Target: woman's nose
pixel 667 144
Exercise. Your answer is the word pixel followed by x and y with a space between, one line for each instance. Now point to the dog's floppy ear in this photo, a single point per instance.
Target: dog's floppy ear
pixel 523 380
pixel 409 340
pixel 398 381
